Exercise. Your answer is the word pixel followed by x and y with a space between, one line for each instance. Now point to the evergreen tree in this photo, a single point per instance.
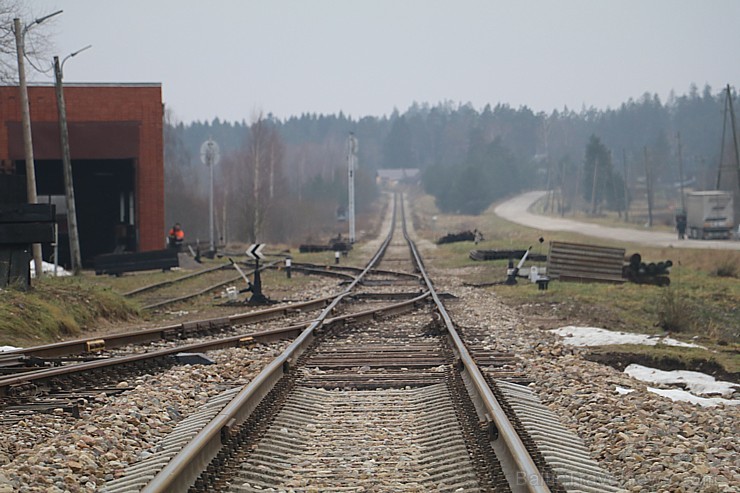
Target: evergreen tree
pixel 600 183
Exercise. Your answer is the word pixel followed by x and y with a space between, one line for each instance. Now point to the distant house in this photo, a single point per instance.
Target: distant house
pixel 390 177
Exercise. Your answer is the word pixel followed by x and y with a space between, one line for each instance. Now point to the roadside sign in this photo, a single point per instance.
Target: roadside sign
pixel 255 251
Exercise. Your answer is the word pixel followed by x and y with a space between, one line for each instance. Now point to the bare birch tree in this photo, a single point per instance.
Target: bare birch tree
pixel 8 64
pixel 36 41
pixel 261 162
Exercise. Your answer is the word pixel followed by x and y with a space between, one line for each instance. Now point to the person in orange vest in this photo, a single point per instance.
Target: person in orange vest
pixel 176 236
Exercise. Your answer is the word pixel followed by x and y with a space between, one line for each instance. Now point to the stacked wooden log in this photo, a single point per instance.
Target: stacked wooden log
pixel 482 255
pixel 655 273
pixel 456 237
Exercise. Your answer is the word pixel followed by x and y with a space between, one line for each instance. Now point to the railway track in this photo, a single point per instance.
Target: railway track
pixel 376 400
pixel 50 377
pixel 184 288
pixel 202 282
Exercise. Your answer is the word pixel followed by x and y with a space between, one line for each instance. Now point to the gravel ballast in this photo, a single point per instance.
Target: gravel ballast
pixel 56 453
pixel 648 442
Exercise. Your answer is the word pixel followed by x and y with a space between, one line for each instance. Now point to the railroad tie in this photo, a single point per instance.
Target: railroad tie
pixel 562 449
pixel 325 439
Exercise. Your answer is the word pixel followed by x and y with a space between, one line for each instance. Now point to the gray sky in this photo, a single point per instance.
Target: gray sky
pixel 230 58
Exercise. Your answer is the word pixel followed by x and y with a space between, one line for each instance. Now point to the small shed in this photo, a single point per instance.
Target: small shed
pixel 392 177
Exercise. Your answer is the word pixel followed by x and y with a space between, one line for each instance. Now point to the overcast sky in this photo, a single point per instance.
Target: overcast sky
pixel 231 58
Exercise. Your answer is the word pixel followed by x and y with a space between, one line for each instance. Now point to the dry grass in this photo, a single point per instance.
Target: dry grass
pixel 57 308
pixel 702 304
pixel 726 265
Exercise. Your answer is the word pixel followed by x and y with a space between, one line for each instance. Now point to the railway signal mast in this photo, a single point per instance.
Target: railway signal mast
pixel 351 165
pixel 209 155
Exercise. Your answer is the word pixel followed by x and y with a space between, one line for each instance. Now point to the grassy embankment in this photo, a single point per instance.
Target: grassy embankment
pixel 57 308
pixel 702 305
pixel 63 308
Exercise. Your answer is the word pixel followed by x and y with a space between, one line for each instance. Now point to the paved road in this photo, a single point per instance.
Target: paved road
pixel 517 210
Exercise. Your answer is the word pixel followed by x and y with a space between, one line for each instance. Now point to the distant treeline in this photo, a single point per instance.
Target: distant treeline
pixel 468 157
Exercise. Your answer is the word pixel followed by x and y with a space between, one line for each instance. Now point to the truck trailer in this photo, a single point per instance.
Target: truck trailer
pixel 709 215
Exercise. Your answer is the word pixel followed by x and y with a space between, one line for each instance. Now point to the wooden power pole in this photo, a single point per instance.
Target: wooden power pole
pixel 626 187
pixel 680 172
pixel 27 137
pixel 69 190
pixel 649 185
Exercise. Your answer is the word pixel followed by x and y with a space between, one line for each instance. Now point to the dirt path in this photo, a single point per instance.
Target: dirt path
pixel 516 210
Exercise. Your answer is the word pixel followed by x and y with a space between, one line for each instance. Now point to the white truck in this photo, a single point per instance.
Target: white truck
pixel 709 215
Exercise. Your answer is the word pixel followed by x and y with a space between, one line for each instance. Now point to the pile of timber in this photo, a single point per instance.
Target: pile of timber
pixel 655 273
pixel 585 263
pixel 481 255
pixel 457 237
pixel 118 263
pixel 591 263
pixel 334 245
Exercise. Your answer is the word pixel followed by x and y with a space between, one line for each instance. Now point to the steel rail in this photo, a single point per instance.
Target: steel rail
pixel 527 471
pixel 231 341
pixel 160 284
pixel 63 371
pixel 320 271
pixel 171 301
pixel 317 267
pixel 182 471
pixel 176 331
pixel 202 291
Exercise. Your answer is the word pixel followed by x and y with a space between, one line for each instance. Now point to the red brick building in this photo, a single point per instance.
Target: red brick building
pixel 116 146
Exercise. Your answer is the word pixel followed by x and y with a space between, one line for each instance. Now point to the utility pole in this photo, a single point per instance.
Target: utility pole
pixel 549 186
pixel 593 187
pixel 69 190
pixel 680 172
pixel 27 139
pixel 626 188
pixel 649 185
pixel 734 135
pixel 209 155
pixel 728 109
pixel 20 33
pixel 722 145
pixel 562 188
pixel 351 164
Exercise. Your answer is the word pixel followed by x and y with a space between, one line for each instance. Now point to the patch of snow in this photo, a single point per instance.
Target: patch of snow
pixel 7 348
pixel 684 396
pixel 669 341
pixel 696 382
pixel 593 336
pixel 48 268
pixel 622 390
